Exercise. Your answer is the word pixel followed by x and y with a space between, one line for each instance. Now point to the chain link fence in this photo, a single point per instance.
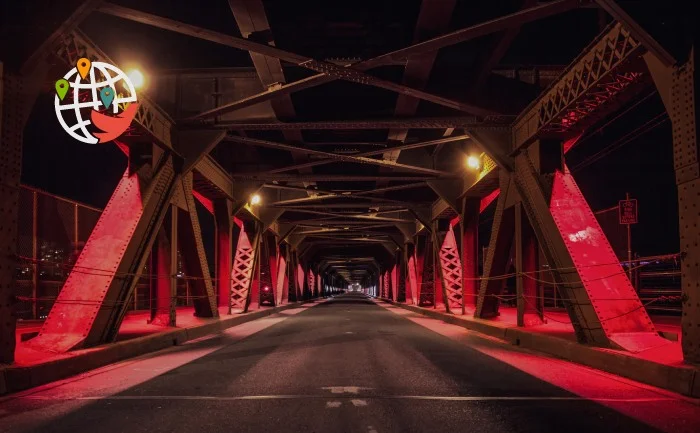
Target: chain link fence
pixel 52 231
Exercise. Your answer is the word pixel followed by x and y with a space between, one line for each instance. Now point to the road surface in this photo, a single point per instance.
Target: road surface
pixel 346 365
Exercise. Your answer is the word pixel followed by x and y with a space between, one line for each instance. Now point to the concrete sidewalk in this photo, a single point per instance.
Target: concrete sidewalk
pixel 44 368
pixel 661 367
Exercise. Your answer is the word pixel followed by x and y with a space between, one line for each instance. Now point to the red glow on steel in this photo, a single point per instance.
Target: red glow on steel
pixel 486 201
pixel 208 204
pixel 454 221
pixel 568 144
pixel 618 307
pixel 83 293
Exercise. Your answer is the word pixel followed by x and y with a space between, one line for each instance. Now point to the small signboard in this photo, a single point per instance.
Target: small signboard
pixel 628 211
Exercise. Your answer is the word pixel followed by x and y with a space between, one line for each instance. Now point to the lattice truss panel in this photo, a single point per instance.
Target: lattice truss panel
pixel 242 271
pixel 151 118
pixel 311 280
pixel 451 268
pixel 412 277
pixel 592 80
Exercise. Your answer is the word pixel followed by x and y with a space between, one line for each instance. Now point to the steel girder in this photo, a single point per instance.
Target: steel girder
pixel 194 257
pixel 604 307
pixel 325 68
pixel 223 217
pixel 244 262
pixel 592 81
pixel 11 128
pixel 348 71
pixel 501 123
pixel 163 267
pixel 678 87
pixel 282 281
pixel 112 260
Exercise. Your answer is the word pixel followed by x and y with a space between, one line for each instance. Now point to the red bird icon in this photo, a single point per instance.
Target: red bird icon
pixel 113 127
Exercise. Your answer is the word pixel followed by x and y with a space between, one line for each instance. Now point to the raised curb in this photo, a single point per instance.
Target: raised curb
pixel 17 378
pixel 681 379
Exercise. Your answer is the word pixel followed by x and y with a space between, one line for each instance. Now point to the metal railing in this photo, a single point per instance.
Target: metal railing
pixel 52 231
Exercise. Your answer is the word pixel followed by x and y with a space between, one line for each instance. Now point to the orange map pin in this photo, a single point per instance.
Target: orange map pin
pixel 83 66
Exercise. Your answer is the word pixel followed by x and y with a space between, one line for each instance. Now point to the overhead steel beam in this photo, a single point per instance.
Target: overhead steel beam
pixel 585 88
pixel 499 50
pixel 434 17
pixel 471 123
pixel 379 152
pixel 251 18
pixel 343 158
pixel 462 35
pixel 326 68
pixel 263 177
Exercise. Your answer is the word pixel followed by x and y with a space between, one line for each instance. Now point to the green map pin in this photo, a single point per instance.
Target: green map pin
pixel 62 87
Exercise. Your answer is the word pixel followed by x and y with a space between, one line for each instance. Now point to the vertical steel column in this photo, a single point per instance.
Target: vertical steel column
pixel 224 234
pixel 281 282
pixel 194 257
pixel 35 254
pixel 254 293
pixel 11 127
pixel 163 281
pixel 526 253
pixel 497 255
pixel 412 285
pixel 684 98
pixel 469 226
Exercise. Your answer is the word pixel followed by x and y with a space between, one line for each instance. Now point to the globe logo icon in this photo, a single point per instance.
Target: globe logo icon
pixel 95 102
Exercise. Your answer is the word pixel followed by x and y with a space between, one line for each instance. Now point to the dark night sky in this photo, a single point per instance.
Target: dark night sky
pixel 88 173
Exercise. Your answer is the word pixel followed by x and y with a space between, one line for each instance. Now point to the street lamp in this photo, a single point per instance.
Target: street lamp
pixel 136 77
pixel 474 162
pixel 255 199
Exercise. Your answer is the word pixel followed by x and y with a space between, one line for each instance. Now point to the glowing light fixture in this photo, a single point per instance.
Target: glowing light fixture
pixel 136 77
pixel 255 199
pixel 474 162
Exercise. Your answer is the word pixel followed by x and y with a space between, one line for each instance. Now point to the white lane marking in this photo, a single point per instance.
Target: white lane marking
pixel 358 403
pixel 344 389
pixel 333 404
pixel 371 429
pixel 364 398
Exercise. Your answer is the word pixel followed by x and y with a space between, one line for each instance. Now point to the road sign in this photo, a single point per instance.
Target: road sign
pixel 628 211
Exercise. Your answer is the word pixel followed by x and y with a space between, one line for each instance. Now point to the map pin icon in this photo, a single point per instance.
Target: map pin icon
pixel 83 66
pixel 62 87
pixel 107 96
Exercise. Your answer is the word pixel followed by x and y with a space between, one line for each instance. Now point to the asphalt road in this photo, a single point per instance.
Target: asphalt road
pixel 346 365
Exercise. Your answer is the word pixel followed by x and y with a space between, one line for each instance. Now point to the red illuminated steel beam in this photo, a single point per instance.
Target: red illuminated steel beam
pixel 112 260
pixel 450 268
pixel 244 262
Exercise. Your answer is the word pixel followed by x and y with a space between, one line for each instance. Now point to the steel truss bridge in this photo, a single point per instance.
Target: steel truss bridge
pixel 398 214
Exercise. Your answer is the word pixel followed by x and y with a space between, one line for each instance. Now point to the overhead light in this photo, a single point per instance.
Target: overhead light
pixel 474 162
pixel 136 77
pixel 255 199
